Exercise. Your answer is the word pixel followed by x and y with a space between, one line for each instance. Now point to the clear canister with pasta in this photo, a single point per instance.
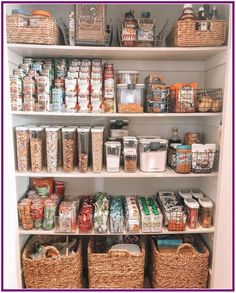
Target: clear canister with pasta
pixel 69 148
pixel 22 148
pixel 97 148
pixel 52 134
pixel 36 148
pixel 83 147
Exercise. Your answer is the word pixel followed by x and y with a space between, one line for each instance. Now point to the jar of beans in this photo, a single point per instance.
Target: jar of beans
pixel 36 148
pixel 97 148
pixel 22 148
pixel 68 144
pixel 52 134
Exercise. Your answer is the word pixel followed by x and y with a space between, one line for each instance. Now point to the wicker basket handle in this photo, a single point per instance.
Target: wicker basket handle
pixel 118 252
pixel 87 27
pixel 187 246
pixel 145 29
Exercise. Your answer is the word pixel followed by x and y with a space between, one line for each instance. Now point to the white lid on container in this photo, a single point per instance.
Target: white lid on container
pixel 125 85
pixel 188 5
pixel 83 129
pixel 127 72
pixel 52 128
pixel 160 140
pixel 98 129
pixel 130 138
pixel 197 193
pixel 36 128
pixel 68 129
pixel 113 144
pixel 22 128
pixel 185 193
pixel 148 137
pixel 201 9
pixel 191 203
pixel 205 202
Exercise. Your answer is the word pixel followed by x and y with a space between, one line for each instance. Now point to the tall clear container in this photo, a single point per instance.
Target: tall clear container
pixel 69 150
pixel 83 136
pixel 130 144
pixel 52 134
pixel 23 148
pixel 97 148
pixel 113 150
pixel 36 148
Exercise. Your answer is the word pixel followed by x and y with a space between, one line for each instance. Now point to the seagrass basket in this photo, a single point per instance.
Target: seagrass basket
pixel 115 269
pixel 32 30
pixel 186 268
pixel 61 272
pixel 185 34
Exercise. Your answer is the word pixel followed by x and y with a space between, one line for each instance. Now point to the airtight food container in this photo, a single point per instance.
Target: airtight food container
pixel 127 77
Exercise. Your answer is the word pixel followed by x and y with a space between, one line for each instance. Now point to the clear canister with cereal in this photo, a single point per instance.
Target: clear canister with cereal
pixel 69 148
pixel 97 148
pixel 205 212
pixel 36 148
pixel 130 144
pixel 23 148
pixel 52 135
pixel 83 147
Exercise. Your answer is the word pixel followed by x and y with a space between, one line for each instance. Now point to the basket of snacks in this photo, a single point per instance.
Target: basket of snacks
pixel 38 28
pixel 52 262
pixel 125 254
pixel 209 100
pixel 179 262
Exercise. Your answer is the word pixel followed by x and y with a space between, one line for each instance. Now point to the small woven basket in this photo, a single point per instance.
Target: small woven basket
pixel 184 34
pixel 60 272
pixel 32 30
pixel 115 269
pixel 186 268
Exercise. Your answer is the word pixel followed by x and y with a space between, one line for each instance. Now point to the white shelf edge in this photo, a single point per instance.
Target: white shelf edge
pixel 200 230
pixel 139 115
pixel 169 173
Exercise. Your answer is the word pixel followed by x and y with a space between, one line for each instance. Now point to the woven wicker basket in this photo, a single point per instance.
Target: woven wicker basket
pixel 62 272
pixel 32 30
pixel 185 269
pixel 118 269
pixel 184 34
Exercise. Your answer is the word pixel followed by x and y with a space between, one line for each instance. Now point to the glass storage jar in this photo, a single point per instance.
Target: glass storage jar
pixel 113 150
pixel 83 135
pixel 69 150
pixel 130 98
pixel 36 148
pixel 22 148
pixel 52 134
pixel 97 148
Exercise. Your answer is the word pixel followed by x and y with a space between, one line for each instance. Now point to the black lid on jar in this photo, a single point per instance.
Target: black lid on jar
pixel 145 14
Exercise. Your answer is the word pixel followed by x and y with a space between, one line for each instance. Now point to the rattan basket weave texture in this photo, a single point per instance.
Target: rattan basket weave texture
pixel 179 270
pixel 32 30
pixel 117 269
pixel 184 34
pixel 61 272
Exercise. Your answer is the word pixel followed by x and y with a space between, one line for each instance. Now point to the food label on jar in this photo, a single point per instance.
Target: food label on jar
pixel 71 103
pixel 145 35
pixel 83 106
pixel 16 103
pixel 109 83
pixel 70 86
pixel 96 75
pixel 109 93
pixel 96 106
pixel 128 34
pixel 43 102
pixel 73 74
pixel 83 86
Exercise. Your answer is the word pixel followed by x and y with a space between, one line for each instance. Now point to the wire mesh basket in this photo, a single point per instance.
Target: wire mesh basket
pixel 209 100
pixel 144 37
pixel 159 101
pixel 184 100
pixel 202 162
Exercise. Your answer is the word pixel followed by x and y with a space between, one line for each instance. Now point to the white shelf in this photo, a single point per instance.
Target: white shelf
pixel 169 173
pixel 141 115
pixel 164 231
pixel 117 53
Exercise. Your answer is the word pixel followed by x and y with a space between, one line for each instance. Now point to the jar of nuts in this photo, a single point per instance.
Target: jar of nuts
pixel 97 148
pixel 83 147
pixel 36 148
pixel 22 148
pixel 68 145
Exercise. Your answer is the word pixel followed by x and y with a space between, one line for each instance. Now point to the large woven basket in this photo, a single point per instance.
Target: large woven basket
pixel 32 30
pixel 61 272
pixel 184 34
pixel 186 268
pixel 117 269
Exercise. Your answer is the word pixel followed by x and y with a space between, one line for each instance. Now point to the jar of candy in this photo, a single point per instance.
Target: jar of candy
pixel 205 212
pixel 36 148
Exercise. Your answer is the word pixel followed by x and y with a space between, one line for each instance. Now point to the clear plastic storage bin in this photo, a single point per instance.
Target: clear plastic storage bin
pixel 130 98
pixel 83 135
pixel 36 148
pixel 52 134
pixel 97 148
pixel 68 144
pixel 23 148
pixel 113 150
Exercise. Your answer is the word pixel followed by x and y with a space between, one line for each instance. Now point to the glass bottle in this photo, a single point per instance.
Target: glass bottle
pixel 201 16
pixel 175 137
pixel 214 15
pixel 188 12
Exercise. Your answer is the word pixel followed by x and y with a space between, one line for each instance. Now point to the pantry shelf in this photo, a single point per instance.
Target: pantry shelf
pixel 117 53
pixel 141 115
pixel 169 173
pixel 164 231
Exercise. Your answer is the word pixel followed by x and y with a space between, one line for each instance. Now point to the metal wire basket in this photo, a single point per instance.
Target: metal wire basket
pixel 209 100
